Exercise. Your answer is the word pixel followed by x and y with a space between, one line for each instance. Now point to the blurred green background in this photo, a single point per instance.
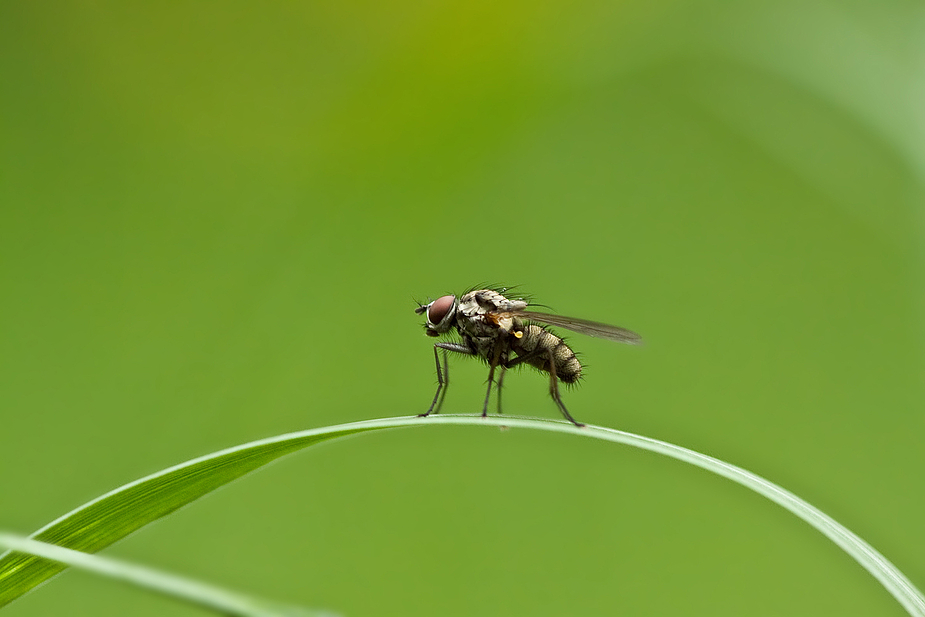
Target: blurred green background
pixel 215 217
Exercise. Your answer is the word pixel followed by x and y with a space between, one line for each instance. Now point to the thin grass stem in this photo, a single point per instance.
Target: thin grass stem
pixel 177 587
pixel 119 513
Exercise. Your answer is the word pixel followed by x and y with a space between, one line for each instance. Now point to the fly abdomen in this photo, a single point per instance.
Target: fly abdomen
pixel 535 345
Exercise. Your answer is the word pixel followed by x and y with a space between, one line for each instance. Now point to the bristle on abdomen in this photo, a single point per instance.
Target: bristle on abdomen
pixel 537 342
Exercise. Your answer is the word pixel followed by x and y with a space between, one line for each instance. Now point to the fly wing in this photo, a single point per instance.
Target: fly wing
pixel 583 326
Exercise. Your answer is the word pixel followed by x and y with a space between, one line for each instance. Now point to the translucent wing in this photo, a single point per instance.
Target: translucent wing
pixel 583 326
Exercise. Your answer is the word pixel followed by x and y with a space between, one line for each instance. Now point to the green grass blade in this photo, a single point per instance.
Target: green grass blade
pixel 113 516
pixel 193 592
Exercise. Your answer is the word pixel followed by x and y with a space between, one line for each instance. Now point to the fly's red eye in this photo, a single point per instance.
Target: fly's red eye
pixel 439 309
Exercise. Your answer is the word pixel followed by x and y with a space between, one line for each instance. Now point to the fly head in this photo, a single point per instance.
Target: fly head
pixel 440 315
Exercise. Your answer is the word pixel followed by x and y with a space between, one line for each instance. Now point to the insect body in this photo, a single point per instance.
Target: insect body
pixel 505 334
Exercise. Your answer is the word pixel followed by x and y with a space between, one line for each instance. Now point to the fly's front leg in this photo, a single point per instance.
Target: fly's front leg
pixel 443 374
pixel 554 391
pixel 441 382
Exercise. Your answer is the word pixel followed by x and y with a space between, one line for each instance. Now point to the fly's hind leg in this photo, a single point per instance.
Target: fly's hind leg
pixel 443 374
pixel 554 390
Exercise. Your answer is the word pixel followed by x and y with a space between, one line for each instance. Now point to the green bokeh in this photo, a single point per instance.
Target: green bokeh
pixel 215 217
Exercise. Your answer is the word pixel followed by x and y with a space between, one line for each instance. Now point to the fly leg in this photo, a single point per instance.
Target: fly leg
pixel 510 364
pixel 441 383
pixel 492 363
pixel 443 374
pixel 554 390
pixel 500 382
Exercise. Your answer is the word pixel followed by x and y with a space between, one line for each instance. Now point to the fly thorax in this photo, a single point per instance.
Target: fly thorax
pixel 505 322
pixel 468 307
pixel 484 345
pixel 477 320
pixel 489 300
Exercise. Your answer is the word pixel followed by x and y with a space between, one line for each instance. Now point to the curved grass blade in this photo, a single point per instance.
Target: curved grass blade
pixel 181 588
pixel 113 516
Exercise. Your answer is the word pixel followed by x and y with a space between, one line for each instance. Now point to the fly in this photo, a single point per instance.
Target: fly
pixel 505 334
